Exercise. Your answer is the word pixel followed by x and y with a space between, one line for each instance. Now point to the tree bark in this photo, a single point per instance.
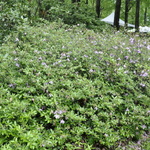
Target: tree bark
pixel 126 13
pixel 98 8
pixel 137 15
pixel 145 15
pixel 74 1
pixel 117 14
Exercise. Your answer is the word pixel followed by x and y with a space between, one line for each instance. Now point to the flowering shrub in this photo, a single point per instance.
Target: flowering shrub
pixel 66 87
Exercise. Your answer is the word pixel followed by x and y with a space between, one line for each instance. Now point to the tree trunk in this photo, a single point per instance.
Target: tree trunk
pixel 137 15
pixel 117 14
pixel 145 15
pixel 98 8
pixel 126 13
pixel 74 1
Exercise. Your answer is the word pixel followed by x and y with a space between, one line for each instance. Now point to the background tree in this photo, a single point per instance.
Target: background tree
pixel 117 14
pixel 74 1
pixel 98 8
pixel 86 2
pixel 137 15
pixel 145 15
pixel 128 6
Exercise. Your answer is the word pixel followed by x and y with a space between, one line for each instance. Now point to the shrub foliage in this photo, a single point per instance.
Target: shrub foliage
pixel 66 87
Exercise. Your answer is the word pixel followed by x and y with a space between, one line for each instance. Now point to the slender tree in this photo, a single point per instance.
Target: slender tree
pixel 74 1
pixel 98 7
pixel 117 14
pixel 128 6
pixel 137 15
pixel 145 15
pixel 126 13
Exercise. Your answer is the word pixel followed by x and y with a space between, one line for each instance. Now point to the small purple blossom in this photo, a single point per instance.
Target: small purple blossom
pixel 119 59
pixel 148 111
pixel 142 84
pixel 17 65
pixel 16 59
pixel 126 57
pixel 36 51
pixel 143 126
pixel 63 54
pixel 91 70
pixel 57 116
pixel 86 56
pixel 50 95
pixel 112 55
pixel 96 108
pixel 50 82
pixel 59 112
pixel 62 121
pixel 68 59
pixel 132 61
pixel 12 85
pixel 138 51
pixel 40 58
pixel 17 40
pixel 126 72
pixel 43 63
pixel 144 74
pixel 127 110
pixel 132 40
pixel 98 52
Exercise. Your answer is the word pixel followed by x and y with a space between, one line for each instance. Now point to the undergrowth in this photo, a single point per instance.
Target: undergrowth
pixel 67 87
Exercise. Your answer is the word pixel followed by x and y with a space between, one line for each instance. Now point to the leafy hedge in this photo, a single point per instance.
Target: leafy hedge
pixel 66 87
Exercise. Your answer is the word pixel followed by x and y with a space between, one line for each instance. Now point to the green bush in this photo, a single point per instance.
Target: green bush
pixel 66 87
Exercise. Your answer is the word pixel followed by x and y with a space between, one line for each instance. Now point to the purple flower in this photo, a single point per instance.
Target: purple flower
pixel 138 51
pixel 127 109
pixel 96 108
pixel 50 95
pixel 91 70
pixel 132 61
pixel 132 40
pixel 11 85
pixel 57 116
pixel 63 54
pixel 126 72
pixel 126 57
pixel 40 58
pixel 59 112
pixel 143 126
pixel 144 74
pixel 96 52
pixel 50 82
pixel 112 55
pixel 142 84
pixel 62 121
pixel 16 40
pixel 17 65
pixel 148 111
pixel 119 59
pixel 16 59
pixel 43 63
pixel 86 56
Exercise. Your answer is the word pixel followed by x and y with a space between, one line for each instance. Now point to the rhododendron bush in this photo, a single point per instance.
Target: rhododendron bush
pixel 67 87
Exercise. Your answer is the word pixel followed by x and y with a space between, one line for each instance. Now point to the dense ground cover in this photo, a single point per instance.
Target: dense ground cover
pixel 69 88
